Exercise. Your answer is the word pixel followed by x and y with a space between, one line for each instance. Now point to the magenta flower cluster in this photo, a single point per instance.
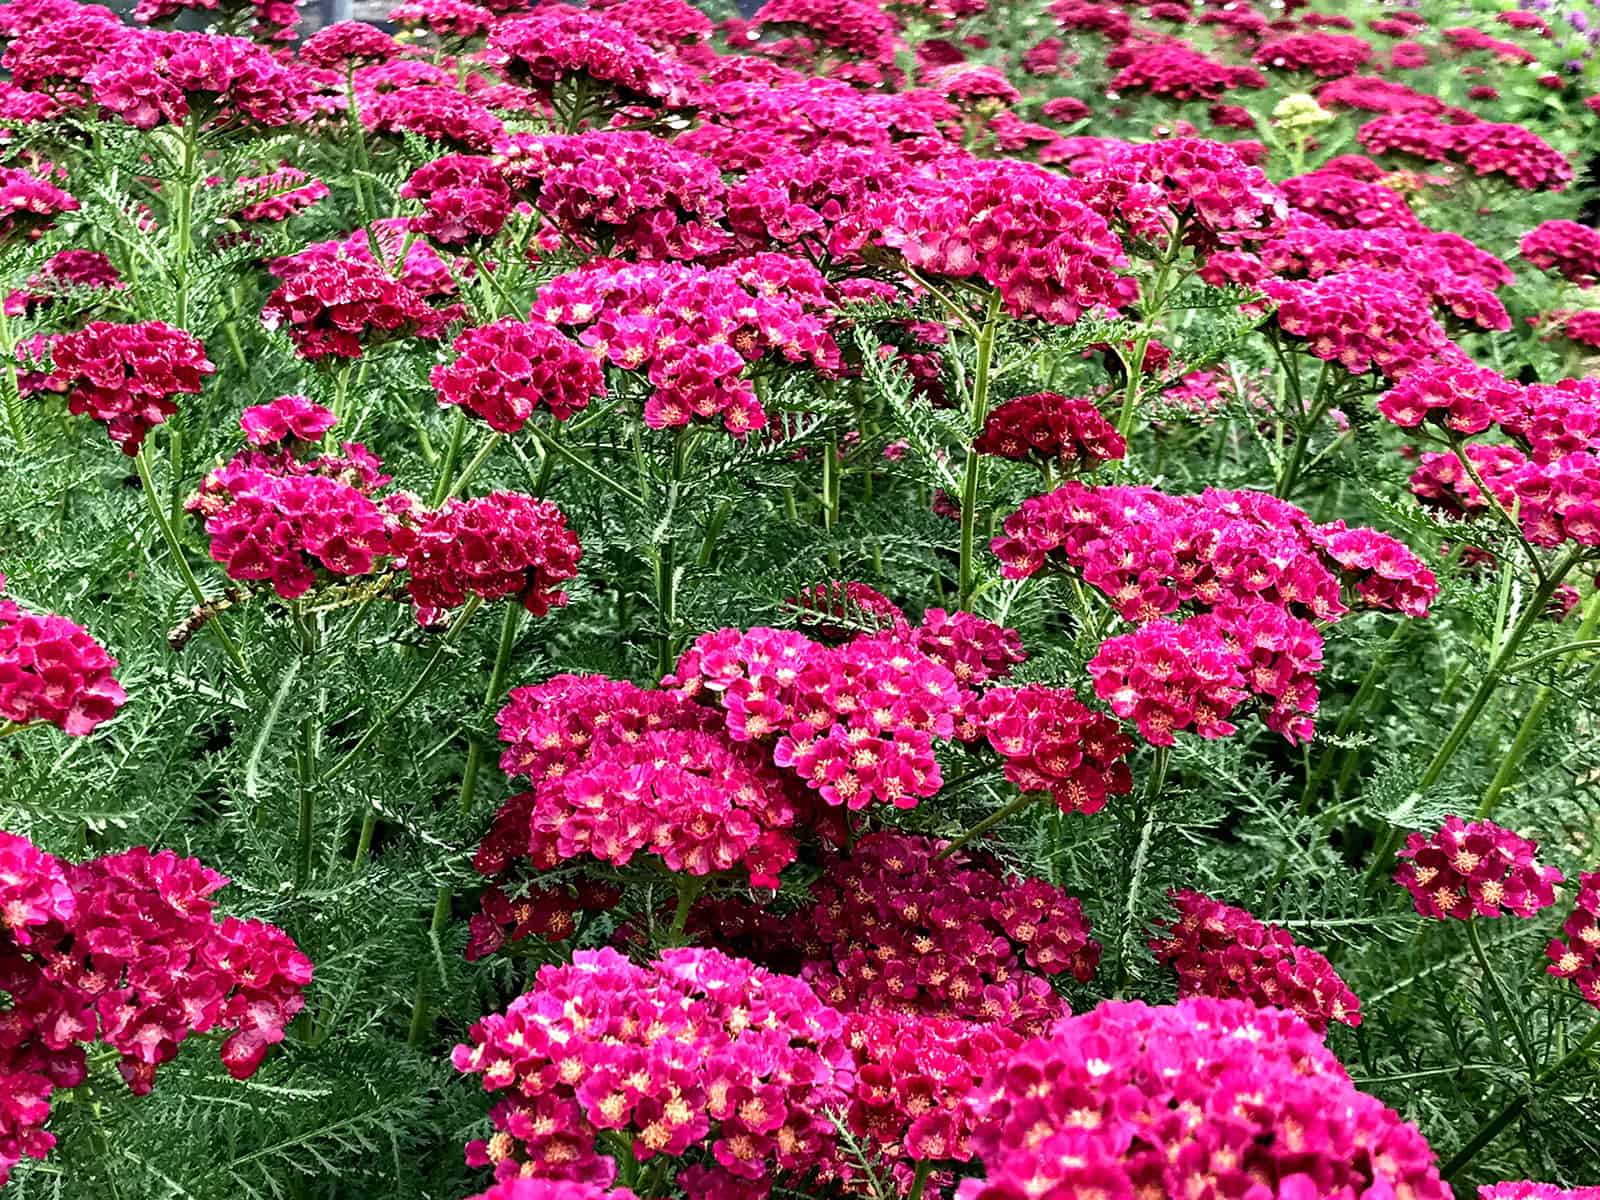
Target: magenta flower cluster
pixel 127 376
pixel 125 950
pixel 1475 868
pixel 1223 951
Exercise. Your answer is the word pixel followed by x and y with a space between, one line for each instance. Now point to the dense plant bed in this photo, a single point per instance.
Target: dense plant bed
pixel 956 599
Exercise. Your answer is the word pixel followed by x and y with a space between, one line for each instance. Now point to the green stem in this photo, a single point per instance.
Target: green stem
pixel 1499 661
pixel 475 464
pixel 666 551
pixel 309 732
pixel 1364 692
pixel 919 1181
pixel 358 139
pixel 14 411
pixel 551 445
pixel 141 464
pixel 419 1001
pixel 1151 306
pixel 1146 815
pixel 974 465
pixel 421 681
pixel 369 826
pixel 1024 800
pixel 447 469
pixel 1503 1000
pixel 509 625
pixel 689 889
pixel 1497 1124
pixel 1536 710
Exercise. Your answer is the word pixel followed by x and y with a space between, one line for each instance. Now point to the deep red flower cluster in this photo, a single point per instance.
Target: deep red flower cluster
pixel 915 1078
pixel 862 607
pixel 718 1066
pixel 1578 956
pixel 346 44
pixel 1062 432
pixel 499 546
pixel 1476 868
pixel 125 950
pixel 1207 1095
pixel 692 331
pixel 127 376
pixel 1347 202
pixel 1178 72
pixel 334 306
pixel 1222 951
pixel 1569 249
pixel 504 372
pixel 464 198
pixel 1030 234
pixel 435 112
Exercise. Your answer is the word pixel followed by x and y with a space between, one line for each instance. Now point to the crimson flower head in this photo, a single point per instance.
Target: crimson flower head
pixel 1576 955
pixel 1051 742
pixel 1477 868
pixel 126 376
pixel 1569 249
pixel 522 1188
pixel 505 372
pixel 1129 1100
pixel 1062 431
pixel 278 195
pixel 1222 951
pixel 334 306
pixel 464 199
pixel 54 671
pixel 501 545
pixel 1526 1189
pixel 29 204
pixel 63 273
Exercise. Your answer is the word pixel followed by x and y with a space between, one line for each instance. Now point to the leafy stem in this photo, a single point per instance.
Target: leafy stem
pixel 973 475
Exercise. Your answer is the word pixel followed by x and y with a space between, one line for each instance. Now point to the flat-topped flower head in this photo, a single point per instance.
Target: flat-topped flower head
pixel 1222 951
pixel 128 376
pixel 1576 954
pixel 505 372
pixel 1466 869
pixel 52 670
pixel 505 545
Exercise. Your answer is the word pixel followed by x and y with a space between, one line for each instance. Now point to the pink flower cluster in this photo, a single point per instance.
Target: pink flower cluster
pixel 464 198
pixel 522 1188
pixel 1051 742
pixel 29 204
pixel 1206 1096
pixel 856 722
pixel 1222 951
pixel 1063 432
pixel 692 331
pixel 1526 1189
pixel 288 418
pixel 1483 147
pixel 1202 187
pixel 1362 319
pixel 559 44
pixel 346 44
pixel 126 376
pixel 151 78
pixel 1325 55
pixel 1476 868
pixel 497 546
pixel 1257 570
pixel 54 671
pixel 1569 249
pixel 1030 234
pixel 628 193
pixel 62 274
pixel 819 200
pixel 915 1077
pixel 696 1056
pixel 125 950
pixel 1578 956
pixel 282 517
pixel 506 371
